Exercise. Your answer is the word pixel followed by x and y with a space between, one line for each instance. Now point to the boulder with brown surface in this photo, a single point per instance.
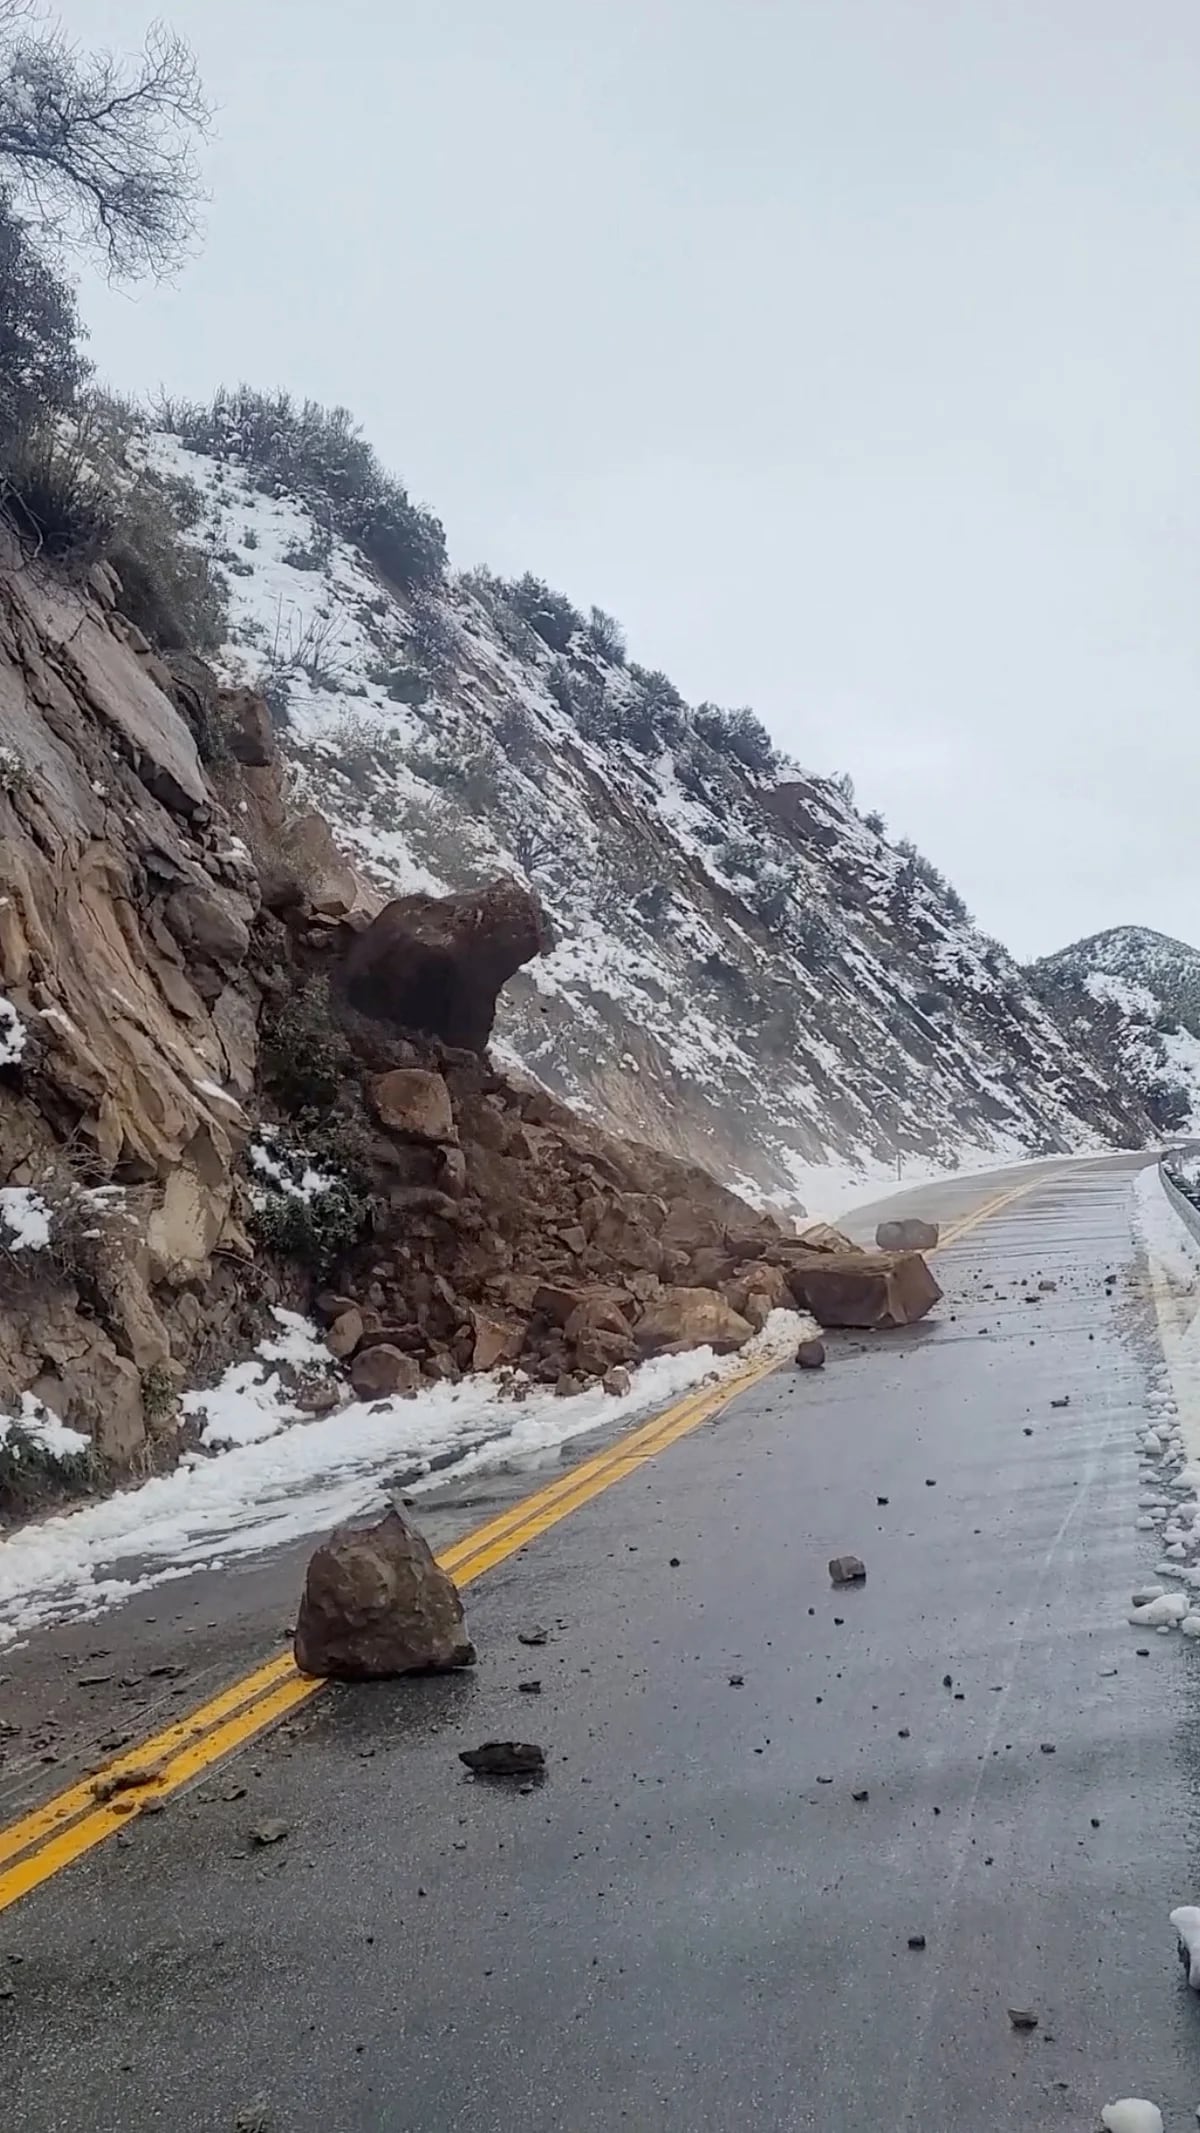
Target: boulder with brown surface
pixel 383 1371
pixel 414 1103
pixel 690 1318
pixel 907 1234
pixel 870 1289
pixel 435 964
pixel 377 1604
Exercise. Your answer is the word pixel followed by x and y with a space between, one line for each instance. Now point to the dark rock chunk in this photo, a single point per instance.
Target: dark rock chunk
pixel 847 1570
pixel 810 1355
pixel 379 1372
pixel 376 1604
pixel 1022 2018
pixel 504 1758
pixel 864 1288
pixel 435 964
pixel 907 1235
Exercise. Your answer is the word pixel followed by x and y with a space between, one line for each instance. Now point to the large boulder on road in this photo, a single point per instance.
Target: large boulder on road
pixel 872 1289
pixel 907 1235
pixel 376 1604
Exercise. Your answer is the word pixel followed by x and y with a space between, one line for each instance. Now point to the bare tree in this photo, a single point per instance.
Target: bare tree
pixel 101 151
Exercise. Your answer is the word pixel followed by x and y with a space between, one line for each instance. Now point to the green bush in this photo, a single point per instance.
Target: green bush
pixel 41 365
pixel 316 1233
pixel 738 734
pixel 549 614
pixel 304 1056
pixel 606 637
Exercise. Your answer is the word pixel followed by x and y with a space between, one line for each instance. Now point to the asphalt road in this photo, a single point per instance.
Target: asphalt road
pixel 693 1922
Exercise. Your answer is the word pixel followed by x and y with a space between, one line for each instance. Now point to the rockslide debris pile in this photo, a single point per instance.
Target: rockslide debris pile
pixel 229 1080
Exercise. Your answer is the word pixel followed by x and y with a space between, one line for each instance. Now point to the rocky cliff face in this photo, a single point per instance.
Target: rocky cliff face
pixel 126 909
pixel 743 971
pixel 1132 997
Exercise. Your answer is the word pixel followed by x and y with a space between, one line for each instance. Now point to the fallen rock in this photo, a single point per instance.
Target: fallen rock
pixel 823 1237
pixel 380 1372
pixel 847 1570
pixel 497 1339
pixel 1022 2018
pixel 1064 1401
pixel 344 1335
pixel 414 1103
pixel 868 1289
pixel 533 1636
pixel 272 1831
pixel 810 1355
pixel 907 1234
pixel 377 1604
pixel 504 1758
pixel 618 1382
pixel 690 1318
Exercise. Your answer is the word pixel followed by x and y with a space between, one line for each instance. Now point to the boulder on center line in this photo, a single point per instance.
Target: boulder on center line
pixel 376 1604
pixel 864 1288
pixel 907 1235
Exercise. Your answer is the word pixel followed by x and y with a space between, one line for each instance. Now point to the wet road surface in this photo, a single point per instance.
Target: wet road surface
pixel 694 1921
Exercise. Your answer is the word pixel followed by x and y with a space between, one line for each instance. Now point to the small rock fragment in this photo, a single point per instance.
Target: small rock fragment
pixel 930 1484
pixel 916 1940
pixel 533 1636
pixel 737 1681
pixel 504 1758
pixel 1048 1747
pixel 111 1782
pixel 1022 2018
pixel 530 1688
pixel 861 1794
pixel 847 1570
pixel 810 1355
pixel 881 1499
pixel 253 2118
pixel 273 1831
pixel 1064 1401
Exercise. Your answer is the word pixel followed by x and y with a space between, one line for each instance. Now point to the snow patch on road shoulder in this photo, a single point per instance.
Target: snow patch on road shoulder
pixel 284 1476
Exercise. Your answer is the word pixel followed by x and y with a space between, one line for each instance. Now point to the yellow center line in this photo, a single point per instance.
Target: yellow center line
pixel 49 1838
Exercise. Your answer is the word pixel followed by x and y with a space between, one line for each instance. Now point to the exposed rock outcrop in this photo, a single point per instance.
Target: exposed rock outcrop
pixel 435 965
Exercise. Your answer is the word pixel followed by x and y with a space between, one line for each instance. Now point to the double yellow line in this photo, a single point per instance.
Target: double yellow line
pixel 49 1838
pixel 41 1843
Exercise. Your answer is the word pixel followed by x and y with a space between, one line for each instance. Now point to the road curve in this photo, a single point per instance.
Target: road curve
pixel 695 1921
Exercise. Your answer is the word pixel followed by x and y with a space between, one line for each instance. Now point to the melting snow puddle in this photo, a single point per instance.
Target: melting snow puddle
pixel 284 1475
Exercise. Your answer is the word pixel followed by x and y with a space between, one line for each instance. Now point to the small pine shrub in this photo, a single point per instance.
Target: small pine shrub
pixel 305 1058
pixel 549 614
pixel 738 734
pixel 316 1233
pixel 606 637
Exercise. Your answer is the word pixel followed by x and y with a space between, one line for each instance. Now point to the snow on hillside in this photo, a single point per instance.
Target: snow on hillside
pixel 744 970
pixel 1134 996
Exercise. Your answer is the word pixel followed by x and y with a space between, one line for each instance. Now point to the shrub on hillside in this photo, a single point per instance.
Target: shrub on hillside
pixel 320 455
pixel 548 613
pixel 738 734
pixel 606 637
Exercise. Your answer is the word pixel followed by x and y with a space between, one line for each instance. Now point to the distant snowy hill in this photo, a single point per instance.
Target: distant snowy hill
pixel 1133 995
pixel 746 971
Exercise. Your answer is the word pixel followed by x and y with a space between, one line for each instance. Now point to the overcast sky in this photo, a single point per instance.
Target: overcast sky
pixel 845 349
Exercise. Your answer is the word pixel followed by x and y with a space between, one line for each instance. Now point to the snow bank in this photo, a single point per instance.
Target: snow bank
pixel 24 1219
pixel 13 1037
pixel 1163 1235
pixel 285 1477
pixel 38 1425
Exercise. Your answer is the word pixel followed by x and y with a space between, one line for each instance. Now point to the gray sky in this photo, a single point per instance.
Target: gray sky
pixel 845 349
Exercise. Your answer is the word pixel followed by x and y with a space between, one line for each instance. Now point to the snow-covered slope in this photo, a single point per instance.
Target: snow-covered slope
pixel 744 970
pixel 1133 995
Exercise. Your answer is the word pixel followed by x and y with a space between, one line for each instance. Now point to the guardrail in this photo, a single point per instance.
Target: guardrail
pixel 1180 1202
